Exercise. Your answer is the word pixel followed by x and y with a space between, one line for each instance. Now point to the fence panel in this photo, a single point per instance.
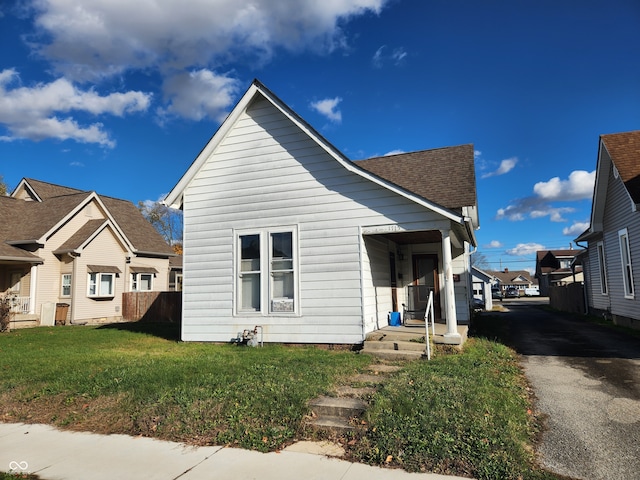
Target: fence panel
pixel 567 298
pixel 152 306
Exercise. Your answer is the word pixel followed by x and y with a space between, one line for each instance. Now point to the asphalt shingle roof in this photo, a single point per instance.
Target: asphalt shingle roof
pixel 445 176
pixel 624 149
pixel 23 221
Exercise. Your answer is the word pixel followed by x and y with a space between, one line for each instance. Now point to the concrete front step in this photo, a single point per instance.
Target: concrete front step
pixel 344 407
pixel 390 354
pixel 338 424
pixel 394 345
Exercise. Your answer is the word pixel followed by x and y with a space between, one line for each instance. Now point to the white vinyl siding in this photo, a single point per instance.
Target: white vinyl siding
pixel 267 173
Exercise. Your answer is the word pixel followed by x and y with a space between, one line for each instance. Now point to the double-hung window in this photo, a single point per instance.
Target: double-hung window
pixel 625 254
pixel 266 280
pixel 65 290
pixel 603 269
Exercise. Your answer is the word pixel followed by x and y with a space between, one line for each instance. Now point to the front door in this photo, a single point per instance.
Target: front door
pixel 425 280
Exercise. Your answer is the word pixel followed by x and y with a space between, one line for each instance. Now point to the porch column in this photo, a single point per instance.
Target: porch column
pixel 452 335
pixel 33 286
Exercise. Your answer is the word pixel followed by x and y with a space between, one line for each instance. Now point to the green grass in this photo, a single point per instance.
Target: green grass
pixel 113 380
pixel 466 413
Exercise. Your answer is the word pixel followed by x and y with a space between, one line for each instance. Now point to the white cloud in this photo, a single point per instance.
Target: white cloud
pixel 578 186
pixel 34 112
pixel 494 244
pixel 525 249
pixel 106 37
pixel 328 108
pixel 199 94
pixel 506 166
pixel 576 229
pixel 381 57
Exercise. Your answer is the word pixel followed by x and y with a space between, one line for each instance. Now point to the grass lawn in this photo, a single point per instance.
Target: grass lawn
pixel 462 413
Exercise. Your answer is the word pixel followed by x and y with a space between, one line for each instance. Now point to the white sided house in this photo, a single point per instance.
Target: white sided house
pixel 284 232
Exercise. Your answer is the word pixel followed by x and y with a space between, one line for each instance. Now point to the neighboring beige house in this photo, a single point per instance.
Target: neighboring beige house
pixel 68 255
pixel 282 231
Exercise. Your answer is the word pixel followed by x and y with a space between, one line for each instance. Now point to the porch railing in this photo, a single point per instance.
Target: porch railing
pixel 19 304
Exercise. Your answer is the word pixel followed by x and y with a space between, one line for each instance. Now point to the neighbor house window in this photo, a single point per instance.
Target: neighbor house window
pixel 65 291
pixel 266 272
pixel 603 269
pixel 101 284
pixel 102 280
pixel 625 253
pixel 141 282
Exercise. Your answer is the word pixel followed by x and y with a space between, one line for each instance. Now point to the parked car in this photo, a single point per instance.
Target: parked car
pixel 478 304
pixel 496 294
pixel 511 292
pixel 532 292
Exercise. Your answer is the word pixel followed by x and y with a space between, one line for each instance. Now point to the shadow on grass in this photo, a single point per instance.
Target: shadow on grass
pixel 168 331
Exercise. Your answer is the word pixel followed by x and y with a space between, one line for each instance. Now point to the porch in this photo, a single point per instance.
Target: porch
pixel 406 342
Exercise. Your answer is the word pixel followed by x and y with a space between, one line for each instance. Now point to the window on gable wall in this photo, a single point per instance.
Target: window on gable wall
pixel 603 269
pixel 627 272
pixel 266 272
pixel 101 284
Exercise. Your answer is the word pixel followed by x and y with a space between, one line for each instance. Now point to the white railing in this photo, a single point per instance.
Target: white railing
pixel 429 313
pixel 19 304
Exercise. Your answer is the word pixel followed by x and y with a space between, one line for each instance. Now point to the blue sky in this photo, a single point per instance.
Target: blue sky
pixel 119 97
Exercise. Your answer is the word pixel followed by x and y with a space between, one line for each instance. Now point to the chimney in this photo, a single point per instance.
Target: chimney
pixel 506 270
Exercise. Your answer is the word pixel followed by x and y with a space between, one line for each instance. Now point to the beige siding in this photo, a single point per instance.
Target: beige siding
pixel 267 173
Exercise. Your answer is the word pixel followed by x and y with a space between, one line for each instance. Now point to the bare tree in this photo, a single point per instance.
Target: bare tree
pixel 479 260
pixel 4 189
pixel 167 221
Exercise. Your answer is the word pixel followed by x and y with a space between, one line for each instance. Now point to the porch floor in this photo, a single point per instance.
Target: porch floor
pixel 416 329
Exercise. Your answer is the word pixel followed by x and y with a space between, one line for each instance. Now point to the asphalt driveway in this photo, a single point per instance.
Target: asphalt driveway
pixel 587 381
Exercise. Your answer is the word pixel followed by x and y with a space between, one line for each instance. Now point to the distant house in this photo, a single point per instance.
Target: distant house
pixel 610 265
pixel 68 255
pixel 518 279
pixel 556 268
pixel 282 231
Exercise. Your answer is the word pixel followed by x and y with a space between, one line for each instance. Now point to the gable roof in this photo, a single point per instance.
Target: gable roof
pixel 511 277
pixel 451 180
pixel 623 151
pixel 175 197
pixel 28 222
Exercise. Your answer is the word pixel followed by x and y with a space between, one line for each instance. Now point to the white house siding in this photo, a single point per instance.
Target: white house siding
pixel 376 278
pixel 105 250
pixel 267 173
pixel 595 298
pixel 618 214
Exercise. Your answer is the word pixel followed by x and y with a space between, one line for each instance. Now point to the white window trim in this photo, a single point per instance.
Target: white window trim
pixel 627 275
pixel 62 285
pixel 99 293
pixel 266 284
pixel 135 282
pixel 602 269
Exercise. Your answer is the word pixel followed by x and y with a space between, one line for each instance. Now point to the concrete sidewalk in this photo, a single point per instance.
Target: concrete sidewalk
pixel 54 454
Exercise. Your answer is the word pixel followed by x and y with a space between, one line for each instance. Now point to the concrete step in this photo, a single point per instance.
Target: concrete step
pixel 403 345
pixel 336 424
pixel 391 354
pixel 343 407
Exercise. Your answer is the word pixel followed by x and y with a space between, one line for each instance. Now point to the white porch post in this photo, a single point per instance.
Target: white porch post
pixel 452 335
pixel 33 286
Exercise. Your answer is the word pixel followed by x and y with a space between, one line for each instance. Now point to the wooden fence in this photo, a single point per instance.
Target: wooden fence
pixel 568 298
pixel 165 307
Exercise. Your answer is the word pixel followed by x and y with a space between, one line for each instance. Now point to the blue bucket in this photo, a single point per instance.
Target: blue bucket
pixel 394 319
